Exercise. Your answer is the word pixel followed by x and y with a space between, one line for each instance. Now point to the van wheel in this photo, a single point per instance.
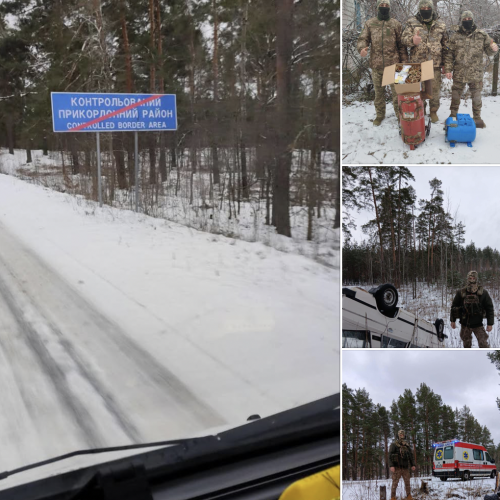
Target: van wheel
pixel 493 474
pixel 466 476
pixel 443 478
pixel 439 324
pixel 386 297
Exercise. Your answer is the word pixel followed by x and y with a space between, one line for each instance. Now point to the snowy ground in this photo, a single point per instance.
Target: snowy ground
pixel 364 144
pixel 429 304
pixel 173 203
pixel 475 489
pixel 116 327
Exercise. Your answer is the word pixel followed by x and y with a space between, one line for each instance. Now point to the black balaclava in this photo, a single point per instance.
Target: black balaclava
pixel 425 14
pixel 384 13
pixel 467 25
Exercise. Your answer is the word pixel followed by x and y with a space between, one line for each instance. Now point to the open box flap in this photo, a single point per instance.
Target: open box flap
pixel 427 68
pixel 388 76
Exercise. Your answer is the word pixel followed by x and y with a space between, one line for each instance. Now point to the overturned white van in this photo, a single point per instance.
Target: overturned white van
pixel 372 319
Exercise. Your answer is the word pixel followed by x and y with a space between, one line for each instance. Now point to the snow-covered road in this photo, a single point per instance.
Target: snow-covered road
pixel 118 328
pixel 365 144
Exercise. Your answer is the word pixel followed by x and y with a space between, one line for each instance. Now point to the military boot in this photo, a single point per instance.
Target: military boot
pixel 378 120
pixel 477 120
pixel 434 116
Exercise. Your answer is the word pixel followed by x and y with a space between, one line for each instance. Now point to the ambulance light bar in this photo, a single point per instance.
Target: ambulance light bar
pixel 443 443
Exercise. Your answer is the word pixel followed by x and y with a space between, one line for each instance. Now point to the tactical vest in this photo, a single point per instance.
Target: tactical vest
pixel 401 458
pixel 472 305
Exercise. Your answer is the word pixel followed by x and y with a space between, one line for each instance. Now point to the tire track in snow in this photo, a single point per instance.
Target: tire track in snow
pixel 72 404
pixel 106 336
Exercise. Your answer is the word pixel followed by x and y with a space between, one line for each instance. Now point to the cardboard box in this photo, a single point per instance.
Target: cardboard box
pixel 427 68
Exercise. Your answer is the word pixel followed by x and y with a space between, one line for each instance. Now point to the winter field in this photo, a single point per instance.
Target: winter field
pixel 431 303
pixel 117 327
pixel 475 489
pixel 363 143
pixel 171 200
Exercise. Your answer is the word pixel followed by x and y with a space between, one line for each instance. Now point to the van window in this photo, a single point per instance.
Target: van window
pixel 388 342
pixel 478 455
pixel 355 338
pixel 487 456
pixel 439 454
pixel 448 452
pixel 413 346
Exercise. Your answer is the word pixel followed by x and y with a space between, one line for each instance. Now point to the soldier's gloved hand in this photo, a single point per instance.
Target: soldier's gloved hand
pixel 364 52
pixel 489 328
pixel 449 76
pixel 494 46
pixel 392 469
pixel 416 38
pixel 453 325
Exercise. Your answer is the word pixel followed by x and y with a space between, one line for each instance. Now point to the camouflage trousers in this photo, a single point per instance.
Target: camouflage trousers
pixel 396 476
pixel 380 94
pixel 475 89
pixel 436 90
pixel 479 332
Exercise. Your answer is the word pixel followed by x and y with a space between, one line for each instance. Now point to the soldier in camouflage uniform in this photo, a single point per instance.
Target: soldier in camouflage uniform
pixel 400 459
pixel 426 36
pixel 465 59
pixel 471 304
pixel 383 34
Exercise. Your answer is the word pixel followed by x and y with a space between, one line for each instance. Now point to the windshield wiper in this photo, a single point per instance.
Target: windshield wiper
pixel 93 451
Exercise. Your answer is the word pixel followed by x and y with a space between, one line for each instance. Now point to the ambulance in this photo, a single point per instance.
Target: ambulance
pixel 456 459
pixel 372 319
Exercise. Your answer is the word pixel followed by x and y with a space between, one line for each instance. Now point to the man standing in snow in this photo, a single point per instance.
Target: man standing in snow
pixel 382 35
pixel 400 459
pixel 465 58
pixel 426 36
pixel 470 305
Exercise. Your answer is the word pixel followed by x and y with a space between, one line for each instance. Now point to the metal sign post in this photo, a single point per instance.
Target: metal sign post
pixel 93 112
pixel 99 180
pixel 136 159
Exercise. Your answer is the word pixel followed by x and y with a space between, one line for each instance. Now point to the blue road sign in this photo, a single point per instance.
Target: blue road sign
pixel 91 112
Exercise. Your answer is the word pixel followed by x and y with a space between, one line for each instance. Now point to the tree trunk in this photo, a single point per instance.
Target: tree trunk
pixel 9 125
pixel 215 69
pixel 28 151
pixel 120 168
pixel 75 162
pixel 243 106
pixel 126 49
pixel 378 225
pixel 281 182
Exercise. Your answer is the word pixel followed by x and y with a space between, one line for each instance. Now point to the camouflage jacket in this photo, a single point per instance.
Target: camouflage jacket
pixel 384 40
pixel 471 308
pixel 465 55
pixel 434 40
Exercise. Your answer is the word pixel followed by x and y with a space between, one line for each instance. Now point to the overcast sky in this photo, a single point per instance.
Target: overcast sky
pixel 460 377
pixel 473 190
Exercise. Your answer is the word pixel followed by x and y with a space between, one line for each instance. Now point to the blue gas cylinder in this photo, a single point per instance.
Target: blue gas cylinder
pixel 460 129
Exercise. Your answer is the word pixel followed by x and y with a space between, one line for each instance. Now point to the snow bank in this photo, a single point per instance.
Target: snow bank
pixel 475 489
